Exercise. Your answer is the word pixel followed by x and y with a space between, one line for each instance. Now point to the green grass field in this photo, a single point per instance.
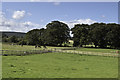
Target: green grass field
pixel 6 46
pixel 57 65
pixel 97 50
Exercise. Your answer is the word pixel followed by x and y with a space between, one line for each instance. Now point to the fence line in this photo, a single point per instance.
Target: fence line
pixel 90 53
pixel 23 53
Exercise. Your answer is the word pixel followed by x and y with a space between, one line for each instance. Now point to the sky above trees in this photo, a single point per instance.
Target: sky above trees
pixel 24 16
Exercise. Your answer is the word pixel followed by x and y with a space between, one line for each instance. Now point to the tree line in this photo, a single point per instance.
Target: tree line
pixel 99 34
pixel 57 33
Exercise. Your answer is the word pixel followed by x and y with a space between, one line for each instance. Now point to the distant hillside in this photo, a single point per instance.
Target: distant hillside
pixel 17 34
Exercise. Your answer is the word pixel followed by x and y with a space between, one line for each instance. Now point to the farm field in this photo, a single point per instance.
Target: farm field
pixel 97 50
pixel 59 40
pixel 57 65
pixel 6 46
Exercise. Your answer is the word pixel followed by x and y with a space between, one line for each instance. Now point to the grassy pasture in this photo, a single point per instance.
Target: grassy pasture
pixel 6 46
pixel 58 65
pixel 97 50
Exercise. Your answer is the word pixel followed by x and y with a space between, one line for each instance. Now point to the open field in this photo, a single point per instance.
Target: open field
pixel 58 65
pixel 26 50
pixel 97 50
pixel 6 46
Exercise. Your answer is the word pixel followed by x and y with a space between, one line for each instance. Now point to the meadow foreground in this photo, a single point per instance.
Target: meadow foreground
pixel 59 65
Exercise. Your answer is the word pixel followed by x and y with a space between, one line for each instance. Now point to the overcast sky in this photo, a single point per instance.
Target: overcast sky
pixel 24 16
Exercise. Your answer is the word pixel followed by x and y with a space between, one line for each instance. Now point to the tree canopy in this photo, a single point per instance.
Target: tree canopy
pixel 35 37
pixel 57 33
pixel 100 34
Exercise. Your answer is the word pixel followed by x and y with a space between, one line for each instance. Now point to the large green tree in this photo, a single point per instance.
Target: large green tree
pixel 98 34
pixel 113 35
pixel 80 34
pixel 57 33
pixel 35 37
